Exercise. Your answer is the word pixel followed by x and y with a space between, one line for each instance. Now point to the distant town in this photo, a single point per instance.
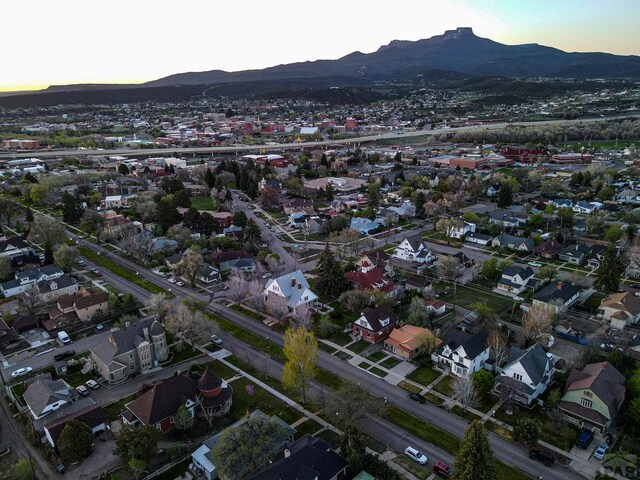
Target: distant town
pixel 404 288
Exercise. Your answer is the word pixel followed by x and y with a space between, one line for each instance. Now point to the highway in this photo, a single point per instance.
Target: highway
pixel 126 152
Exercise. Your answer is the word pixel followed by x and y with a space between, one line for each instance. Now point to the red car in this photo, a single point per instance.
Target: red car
pixel 442 470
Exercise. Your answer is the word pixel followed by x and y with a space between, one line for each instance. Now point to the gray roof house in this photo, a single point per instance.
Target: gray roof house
pixel 526 374
pixel 557 295
pixel 44 395
pixel 513 243
pixel 464 353
pixel 24 279
pixel 294 288
pixel 575 254
pixel 515 279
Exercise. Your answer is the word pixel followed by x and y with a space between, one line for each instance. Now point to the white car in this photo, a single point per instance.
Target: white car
pixel 22 371
pixel 216 339
pixel 535 264
pixel 172 280
pixel 636 294
pixel 415 454
pixel 82 390
pixel 180 283
pixel 92 384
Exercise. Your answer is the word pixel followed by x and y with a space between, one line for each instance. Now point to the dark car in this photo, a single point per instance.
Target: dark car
pixel 635 285
pixel 585 439
pixel 65 354
pixel 544 456
pixel 442 470
pixel 417 397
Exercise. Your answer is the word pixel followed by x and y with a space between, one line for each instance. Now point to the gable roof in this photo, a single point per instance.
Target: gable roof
pixel 513 270
pixel 296 291
pixel 45 391
pixel 371 280
pixel 415 242
pixel 163 399
pixel 473 344
pixel 91 416
pixel 375 317
pixel 623 301
pixel 557 292
pixel 408 337
pixel 127 338
pixel 534 360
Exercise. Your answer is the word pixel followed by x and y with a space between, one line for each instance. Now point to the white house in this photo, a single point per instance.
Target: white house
pixel 44 395
pixel 479 238
pixel 587 207
pixel 463 353
pixel 526 375
pixel 514 279
pixel 25 279
pixel 414 249
pixel 294 288
pixel 464 230
pixel 621 309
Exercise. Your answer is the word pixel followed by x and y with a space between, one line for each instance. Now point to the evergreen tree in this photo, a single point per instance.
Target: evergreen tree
pixel 167 214
pixel 71 208
pixel 331 281
pixel 240 219
pixel 192 218
pixel 329 193
pixel 207 224
pixel 75 441
pixel 609 272
pixel 181 199
pixel 210 178
pixel 419 202
pixel 252 232
pixel 123 169
pixel 474 460
pixel 505 195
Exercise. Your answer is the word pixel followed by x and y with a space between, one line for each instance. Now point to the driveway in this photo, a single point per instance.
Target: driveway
pixel 102 459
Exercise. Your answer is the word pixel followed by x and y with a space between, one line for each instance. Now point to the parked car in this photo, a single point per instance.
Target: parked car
pixel 601 451
pixel 544 456
pixel 21 372
pixel 585 439
pixel 535 264
pixel 82 390
pixel 99 326
pixel 415 454
pixel 180 283
pixel 417 397
pixel 63 355
pixel 92 384
pixel 266 275
pixel 442 470
pixel 172 280
pixel 635 285
pixel 216 339
pixel 95 271
pixel 81 262
pixel 636 294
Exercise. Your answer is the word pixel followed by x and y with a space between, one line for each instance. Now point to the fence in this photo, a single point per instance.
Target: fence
pixel 167 467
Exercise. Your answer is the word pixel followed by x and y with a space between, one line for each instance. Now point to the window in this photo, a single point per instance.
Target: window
pixel 586 403
pixel 517 376
pixel 171 419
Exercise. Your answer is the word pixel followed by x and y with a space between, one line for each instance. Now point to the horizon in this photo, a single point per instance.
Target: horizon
pixel 135 51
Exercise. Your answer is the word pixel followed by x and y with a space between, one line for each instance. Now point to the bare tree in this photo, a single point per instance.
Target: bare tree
pixel 448 268
pixel 237 285
pixel 31 300
pixel 159 306
pixel 277 307
pixel 145 209
pixel 498 347
pixel 190 325
pixel 135 244
pixel 536 321
pixel 465 392
pixel 255 295
pixel 302 317
pixel 190 266
pixel 448 226
pixel 351 403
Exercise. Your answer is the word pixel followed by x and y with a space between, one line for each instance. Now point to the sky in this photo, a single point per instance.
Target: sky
pixel 54 42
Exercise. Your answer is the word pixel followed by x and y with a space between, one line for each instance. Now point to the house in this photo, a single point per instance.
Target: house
pixel 503 218
pixel 84 305
pixel 418 284
pixel 365 226
pixel 378 260
pixel 479 238
pixel 294 288
pixel 574 254
pixel 548 249
pixel 462 352
pixel 557 295
pixel 586 207
pixel 562 203
pixel 268 183
pixel 465 229
pixel 26 323
pixel 43 395
pixel 515 279
pixel 596 255
pixel 593 396
pixel 297 219
pixel 406 341
pixel 437 307
pixel 463 260
pixel 208 274
pixel 513 243
pixel 413 249
pixel 197 393
pixel 25 279
pixel 369 277
pixel 49 290
pixel 620 309
pixel 133 349
pixel 93 416
pixel 225 261
pixel 12 246
pixel 375 324
pixel 163 245
pixel 202 458
pixel 7 334
pixel 309 458
pixel 633 269
pixel 526 375
pixel 296 204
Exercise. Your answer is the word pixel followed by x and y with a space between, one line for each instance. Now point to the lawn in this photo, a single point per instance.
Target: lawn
pixel 341 339
pixel 326 348
pixel 248 313
pixel 467 295
pixel 420 471
pixel 409 387
pixel 364 365
pixel 219 369
pixel 202 203
pixel 78 378
pixel 180 356
pixel 358 346
pixel 424 375
pixel 246 401
pixel 444 386
pixel 343 356
pixel 377 356
pixel 330 437
pixel 120 271
pixel 248 337
pixel 112 411
pixel 390 362
pixel 308 426
pixel 376 371
pixel 458 410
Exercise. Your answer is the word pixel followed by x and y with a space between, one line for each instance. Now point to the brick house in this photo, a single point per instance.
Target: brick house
pixel 375 324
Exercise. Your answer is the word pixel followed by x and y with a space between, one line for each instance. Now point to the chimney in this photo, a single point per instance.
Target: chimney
pixel 287 453
pixel 293 282
pixel 299 286
pixel 127 324
pixel 559 286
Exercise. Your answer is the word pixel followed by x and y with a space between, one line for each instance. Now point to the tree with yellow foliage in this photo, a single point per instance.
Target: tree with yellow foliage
pixel 301 352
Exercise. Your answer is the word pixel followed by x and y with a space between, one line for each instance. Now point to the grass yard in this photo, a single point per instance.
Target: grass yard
pixel 422 472
pixel 365 365
pixel 326 348
pixel 341 339
pixel 409 387
pixel 7 466
pixel 424 375
pixel 248 337
pixel 444 386
pixel 180 356
pixel 343 356
pixel 120 271
pixel 390 362
pixel 467 295
pixel 176 471
pixel 219 369
pixel 78 378
pixel 202 203
pixel 358 346
pixel 248 313
pixel 377 372
pixel 330 437
pixel 377 356
pixel 243 402
pixel 329 379
pixel 112 411
pixel 498 430
pixel 308 426
pixel 466 415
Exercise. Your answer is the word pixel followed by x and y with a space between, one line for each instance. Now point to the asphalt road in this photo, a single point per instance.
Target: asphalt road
pixel 283 146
